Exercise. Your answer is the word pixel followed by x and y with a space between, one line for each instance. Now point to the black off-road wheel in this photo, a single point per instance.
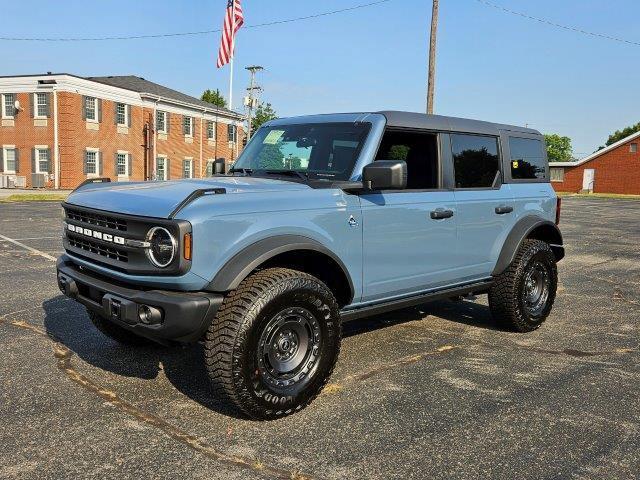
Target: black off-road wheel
pixel 522 296
pixel 274 343
pixel 116 332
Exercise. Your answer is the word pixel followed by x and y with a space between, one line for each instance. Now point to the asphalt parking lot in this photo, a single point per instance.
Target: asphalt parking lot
pixel 430 392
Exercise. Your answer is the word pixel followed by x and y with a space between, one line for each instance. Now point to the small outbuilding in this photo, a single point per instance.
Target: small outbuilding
pixel 614 169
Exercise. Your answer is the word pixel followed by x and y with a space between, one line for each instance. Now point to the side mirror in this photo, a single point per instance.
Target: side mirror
pixel 385 175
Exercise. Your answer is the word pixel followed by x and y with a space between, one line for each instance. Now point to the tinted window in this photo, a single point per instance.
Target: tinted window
pixel 475 160
pixel 527 158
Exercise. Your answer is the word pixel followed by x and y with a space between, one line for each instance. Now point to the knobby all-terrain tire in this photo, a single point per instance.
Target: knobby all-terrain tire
pixel 116 332
pixel 238 372
pixel 506 299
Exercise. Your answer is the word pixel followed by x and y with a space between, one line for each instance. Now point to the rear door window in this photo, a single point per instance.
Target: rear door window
pixel 527 158
pixel 475 160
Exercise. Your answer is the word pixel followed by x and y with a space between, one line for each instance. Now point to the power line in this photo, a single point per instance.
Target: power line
pixel 558 25
pixel 183 34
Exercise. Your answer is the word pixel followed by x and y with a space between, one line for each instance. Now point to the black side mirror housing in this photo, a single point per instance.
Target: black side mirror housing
pixel 385 175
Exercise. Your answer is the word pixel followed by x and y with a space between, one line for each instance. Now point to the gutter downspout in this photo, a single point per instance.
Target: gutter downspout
pixel 56 149
pixel 201 123
pixel 152 162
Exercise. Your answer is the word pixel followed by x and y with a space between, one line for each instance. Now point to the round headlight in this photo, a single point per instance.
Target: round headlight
pixel 163 247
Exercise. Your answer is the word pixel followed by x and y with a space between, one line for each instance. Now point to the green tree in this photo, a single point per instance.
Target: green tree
pixel 270 158
pixel 263 114
pixel 620 134
pixel 558 148
pixel 214 97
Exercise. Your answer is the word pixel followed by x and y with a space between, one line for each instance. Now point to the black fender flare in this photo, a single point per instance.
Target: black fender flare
pixel 254 255
pixel 520 232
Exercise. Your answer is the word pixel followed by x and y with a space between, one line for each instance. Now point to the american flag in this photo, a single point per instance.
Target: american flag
pixel 233 20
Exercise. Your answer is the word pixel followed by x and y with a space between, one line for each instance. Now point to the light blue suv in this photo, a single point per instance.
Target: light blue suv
pixel 322 219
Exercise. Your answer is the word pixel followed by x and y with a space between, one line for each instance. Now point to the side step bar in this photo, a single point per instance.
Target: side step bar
pixel 377 309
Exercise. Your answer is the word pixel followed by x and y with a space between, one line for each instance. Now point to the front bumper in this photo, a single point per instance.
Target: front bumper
pixel 183 316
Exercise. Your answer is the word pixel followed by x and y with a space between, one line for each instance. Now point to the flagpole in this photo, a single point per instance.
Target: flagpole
pixel 233 44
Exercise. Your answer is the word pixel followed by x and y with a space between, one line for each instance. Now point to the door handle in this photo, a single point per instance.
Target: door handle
pixel 502 209
pixel 441 213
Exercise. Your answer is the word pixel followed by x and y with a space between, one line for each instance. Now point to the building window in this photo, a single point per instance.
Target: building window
pixel 633 148
pixel 42 160
pixel 41 102
pixel 92 162
pixel 161 121
pixel 162 168
pixel 527 158
pixel 187 126
pixel 122 164
pixel 91 108
pixel 556 174
pixel 10 156
pixel 475 160
pixel 8 105
pixel 232 132
pixel 187 168
pixel 122 114
pixel 211 130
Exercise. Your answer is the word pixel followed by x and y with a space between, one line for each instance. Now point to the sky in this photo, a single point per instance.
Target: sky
pixel 491 65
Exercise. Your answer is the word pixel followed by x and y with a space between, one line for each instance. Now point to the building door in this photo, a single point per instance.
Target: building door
pixel 587 179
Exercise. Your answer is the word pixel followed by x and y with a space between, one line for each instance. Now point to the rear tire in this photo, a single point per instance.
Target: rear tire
pixel 274 343
pixel 116 332
pixel 522 296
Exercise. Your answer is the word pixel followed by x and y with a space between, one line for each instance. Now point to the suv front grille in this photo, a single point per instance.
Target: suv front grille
pixel 97 219
pixel 98 249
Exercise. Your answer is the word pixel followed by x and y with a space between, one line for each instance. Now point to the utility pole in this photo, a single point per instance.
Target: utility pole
pixel 432 57
pixel 250 101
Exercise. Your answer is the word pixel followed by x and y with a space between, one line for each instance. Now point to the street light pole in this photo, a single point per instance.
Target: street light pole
pixel 250 99
pixel 432 57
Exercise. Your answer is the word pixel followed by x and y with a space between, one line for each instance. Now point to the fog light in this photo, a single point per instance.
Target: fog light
pixel 149 315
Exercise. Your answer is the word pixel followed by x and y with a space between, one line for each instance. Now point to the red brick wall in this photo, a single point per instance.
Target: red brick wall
pixel 617 171
pixel 74 137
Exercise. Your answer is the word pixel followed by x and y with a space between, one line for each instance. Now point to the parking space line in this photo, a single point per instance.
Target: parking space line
pixel 27 247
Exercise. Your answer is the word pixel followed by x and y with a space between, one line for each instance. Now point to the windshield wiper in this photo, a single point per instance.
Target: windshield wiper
pixel 290 173
pixel 245 171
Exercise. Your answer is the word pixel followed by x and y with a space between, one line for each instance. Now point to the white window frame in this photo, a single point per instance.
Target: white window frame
pixel 126 114
pixel 213 130
pixel 164 167
pixel 98 160
pixel 190 160
pixel 36 113
pixel 164 121
pixel 633 147
pixel 554 169
pixel 191 122
pixel 38 149
pixel 4 109
pixel 5 149
pixel 95 109
pixel 127 159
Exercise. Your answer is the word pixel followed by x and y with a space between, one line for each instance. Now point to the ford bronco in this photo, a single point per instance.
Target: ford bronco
pixel 321 219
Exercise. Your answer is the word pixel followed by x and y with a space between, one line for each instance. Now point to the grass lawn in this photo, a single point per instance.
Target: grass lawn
pixel 34 197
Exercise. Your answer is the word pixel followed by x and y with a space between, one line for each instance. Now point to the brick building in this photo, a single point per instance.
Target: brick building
pixel 57 130
pixel 614 169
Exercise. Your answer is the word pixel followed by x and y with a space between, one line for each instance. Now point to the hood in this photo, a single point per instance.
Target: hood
pixel 160 199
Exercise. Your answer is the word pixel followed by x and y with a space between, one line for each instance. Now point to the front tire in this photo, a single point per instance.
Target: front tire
pixel 522 296
pixel 274 343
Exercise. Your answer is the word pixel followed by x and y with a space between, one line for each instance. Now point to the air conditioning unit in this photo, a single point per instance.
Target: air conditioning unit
pixel 39 180
pixel 21 182
pixel 4 181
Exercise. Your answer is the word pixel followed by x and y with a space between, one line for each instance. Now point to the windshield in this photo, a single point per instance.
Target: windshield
pixel 315 150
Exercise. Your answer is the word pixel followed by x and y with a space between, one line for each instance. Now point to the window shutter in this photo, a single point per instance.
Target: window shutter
pixel 84 167
pixel 2 160
pixel 128 107
pixel 129 164
pixel 167 122
pixel 115 113
pixel 48 160
pixel 31 95
pixel 2 106
pixel 99 110
pixel 48 105
pixel 115 164
pixel 33 160
pixel 99 160
pixel 167 169
pixel 84 110
pixel 17 159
